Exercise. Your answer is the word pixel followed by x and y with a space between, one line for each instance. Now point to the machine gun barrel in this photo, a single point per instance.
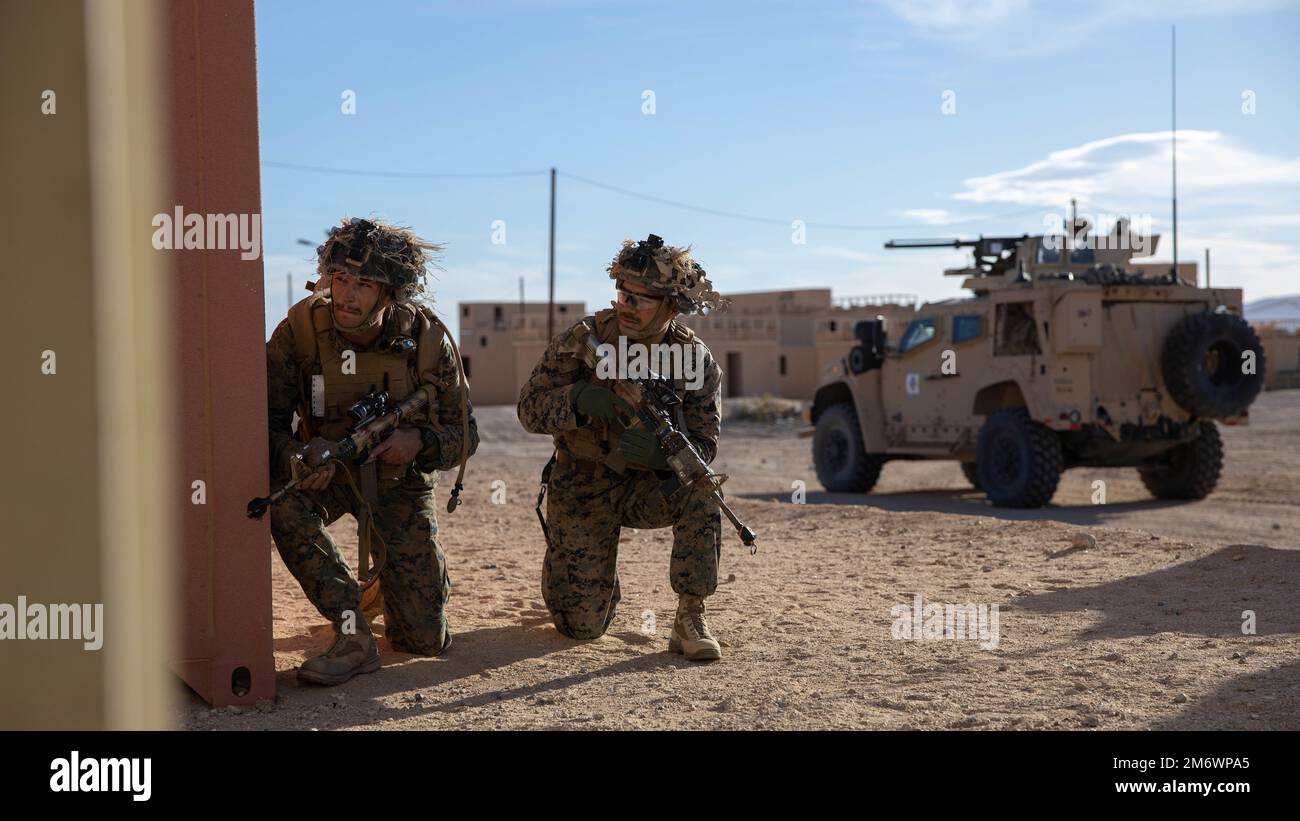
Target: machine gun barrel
pixel 931 243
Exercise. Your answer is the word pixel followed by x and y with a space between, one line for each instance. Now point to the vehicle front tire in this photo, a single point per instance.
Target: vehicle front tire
pixel 1018 461
pixel 1189 471
pixel 843 464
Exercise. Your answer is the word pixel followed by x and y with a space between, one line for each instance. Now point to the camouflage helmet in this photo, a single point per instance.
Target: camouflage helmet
pixel 377 251
pixel 666 270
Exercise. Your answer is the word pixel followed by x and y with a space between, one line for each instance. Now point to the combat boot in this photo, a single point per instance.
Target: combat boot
pixel 691 636
pixel 349 656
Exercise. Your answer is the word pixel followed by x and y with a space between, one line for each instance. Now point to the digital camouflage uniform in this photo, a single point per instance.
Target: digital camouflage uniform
pixel 414 576
pixel 593 491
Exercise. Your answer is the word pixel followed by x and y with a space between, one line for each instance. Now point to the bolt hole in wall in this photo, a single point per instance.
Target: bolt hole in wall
pixel 241 681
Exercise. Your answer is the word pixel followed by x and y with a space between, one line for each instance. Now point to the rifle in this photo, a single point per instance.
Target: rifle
pixel 374 418
pixel 652 398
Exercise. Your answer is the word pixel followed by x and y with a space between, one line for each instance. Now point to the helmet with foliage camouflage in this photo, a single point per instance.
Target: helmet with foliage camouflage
pixel 377 251
pixel 666 270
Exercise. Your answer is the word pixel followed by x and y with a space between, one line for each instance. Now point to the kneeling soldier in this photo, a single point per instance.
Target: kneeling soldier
pixel 366 329
pixel 606 475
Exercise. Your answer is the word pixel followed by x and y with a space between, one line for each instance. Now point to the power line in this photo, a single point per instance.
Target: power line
pixel 782 222
pixel 699 209
pixel 673 203
pixel 356 172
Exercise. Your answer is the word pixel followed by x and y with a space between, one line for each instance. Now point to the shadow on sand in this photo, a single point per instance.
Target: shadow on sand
pixel 969 502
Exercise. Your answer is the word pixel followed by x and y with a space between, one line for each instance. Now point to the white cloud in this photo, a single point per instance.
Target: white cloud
pixel 840 252
pixel 1257 222
pixel 928 216
pixel 1133 170
pixel 1262 269
pixel 976 23
pixel 955 14
pixel 1237 199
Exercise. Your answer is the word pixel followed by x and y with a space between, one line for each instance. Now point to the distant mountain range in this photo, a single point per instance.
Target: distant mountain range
pixel 1274 309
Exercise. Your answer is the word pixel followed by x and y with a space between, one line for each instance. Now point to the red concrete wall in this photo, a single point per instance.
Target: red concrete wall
pixel 210 121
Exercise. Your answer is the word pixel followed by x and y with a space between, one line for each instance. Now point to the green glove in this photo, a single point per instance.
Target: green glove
pixel 596 402
pixel 642 447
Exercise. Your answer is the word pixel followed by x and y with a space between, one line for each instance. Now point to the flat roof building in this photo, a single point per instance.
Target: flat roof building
pixel 501 342
pixel 781 342
pixel 767 342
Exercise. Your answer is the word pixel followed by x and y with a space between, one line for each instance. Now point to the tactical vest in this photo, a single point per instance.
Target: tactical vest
pixel 597 441
pixel 324 401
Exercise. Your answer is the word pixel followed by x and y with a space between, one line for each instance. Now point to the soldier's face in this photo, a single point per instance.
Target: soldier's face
pixel 639 317
pixel 354 298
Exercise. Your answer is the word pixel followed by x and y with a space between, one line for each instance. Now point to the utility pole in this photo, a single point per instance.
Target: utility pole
pixel 550 297
pixel 1207 267
pixel 522 320
pixel 288 288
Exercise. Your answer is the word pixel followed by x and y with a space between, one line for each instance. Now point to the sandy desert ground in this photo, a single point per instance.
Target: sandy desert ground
pixel 1144 630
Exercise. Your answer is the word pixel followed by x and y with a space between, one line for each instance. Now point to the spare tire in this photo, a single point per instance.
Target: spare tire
pixel 1203 366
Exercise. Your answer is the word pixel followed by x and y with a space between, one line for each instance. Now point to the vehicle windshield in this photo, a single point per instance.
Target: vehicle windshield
pixel 918 333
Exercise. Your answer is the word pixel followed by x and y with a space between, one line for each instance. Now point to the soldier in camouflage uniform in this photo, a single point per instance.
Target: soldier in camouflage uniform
pixel 365 327
pixel 606 475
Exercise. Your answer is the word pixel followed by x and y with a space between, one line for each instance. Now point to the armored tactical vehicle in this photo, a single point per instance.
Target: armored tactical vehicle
pixel 1068 354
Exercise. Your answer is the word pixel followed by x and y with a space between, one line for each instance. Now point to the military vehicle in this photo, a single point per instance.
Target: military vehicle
pixel 1068 354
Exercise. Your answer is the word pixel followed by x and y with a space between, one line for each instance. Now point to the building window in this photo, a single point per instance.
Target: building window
pixel 464 360
pixel 464 310
pixel 564 309
pixel 832 326
pixel 482 341
pixel 783 364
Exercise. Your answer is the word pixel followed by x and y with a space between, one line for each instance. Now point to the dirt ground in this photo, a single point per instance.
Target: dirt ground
pixel 1142 630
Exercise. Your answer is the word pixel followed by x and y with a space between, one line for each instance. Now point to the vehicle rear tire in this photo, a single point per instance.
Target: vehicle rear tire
pixel 971 471
pixel 842 463
pixel 1189 471
pixel 1202 366
pixel 1018 461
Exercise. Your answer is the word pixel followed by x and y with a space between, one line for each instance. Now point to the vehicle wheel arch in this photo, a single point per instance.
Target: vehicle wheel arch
pixel 828 395
pixel 997 396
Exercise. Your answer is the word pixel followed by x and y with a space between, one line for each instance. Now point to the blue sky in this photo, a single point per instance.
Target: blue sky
pixel 826 112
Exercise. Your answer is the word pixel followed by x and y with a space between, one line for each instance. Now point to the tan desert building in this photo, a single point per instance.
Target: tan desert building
pixel 767 342
pixel 1281 354
pixel 780 342
pixel 1277 321
pixel 502 341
